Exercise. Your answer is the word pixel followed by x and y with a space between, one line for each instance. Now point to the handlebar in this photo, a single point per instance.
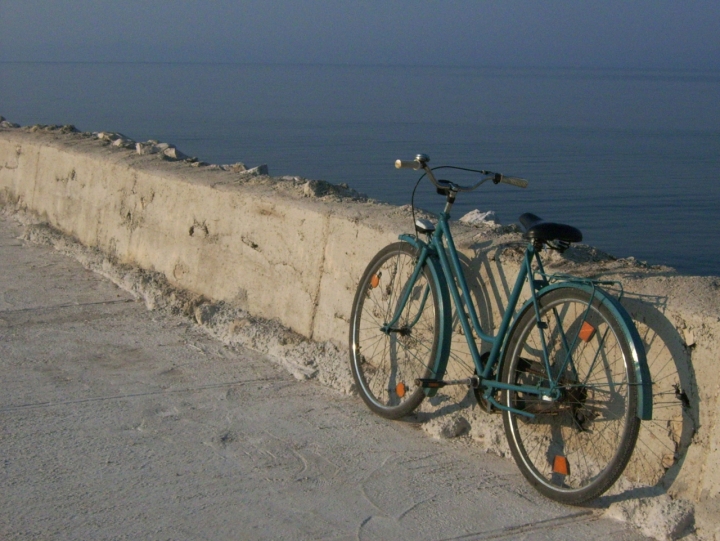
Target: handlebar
pixel 514 181
pixel 420 162
pixel 404 164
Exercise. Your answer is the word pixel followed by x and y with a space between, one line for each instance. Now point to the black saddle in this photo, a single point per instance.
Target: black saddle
pixel 556 235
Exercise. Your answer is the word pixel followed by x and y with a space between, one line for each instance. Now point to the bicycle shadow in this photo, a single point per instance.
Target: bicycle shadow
pixel 489 291
pixel 663 442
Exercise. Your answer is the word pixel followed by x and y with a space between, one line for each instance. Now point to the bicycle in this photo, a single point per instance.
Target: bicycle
pixel 567 370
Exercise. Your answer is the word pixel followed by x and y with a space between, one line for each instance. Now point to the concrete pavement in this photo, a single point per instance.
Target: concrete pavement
pixel 119 423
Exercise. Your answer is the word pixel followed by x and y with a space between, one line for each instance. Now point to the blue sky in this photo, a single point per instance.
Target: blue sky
pixel 653 34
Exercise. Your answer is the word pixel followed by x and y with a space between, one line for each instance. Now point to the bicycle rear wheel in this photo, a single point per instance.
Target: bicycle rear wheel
pixel 576 446
pixel 386 364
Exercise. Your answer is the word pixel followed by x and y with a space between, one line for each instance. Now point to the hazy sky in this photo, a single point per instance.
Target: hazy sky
pixel 574 33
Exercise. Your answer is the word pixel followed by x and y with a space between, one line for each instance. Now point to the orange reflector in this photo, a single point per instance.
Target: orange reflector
pixel 374 281
pixel 400 389
pixel 587 331
pixel 561 465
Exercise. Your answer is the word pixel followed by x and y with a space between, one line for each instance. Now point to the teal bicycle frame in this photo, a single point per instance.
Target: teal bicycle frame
pixel 446 270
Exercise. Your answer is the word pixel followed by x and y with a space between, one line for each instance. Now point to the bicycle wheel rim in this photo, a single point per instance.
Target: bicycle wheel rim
pixel 576 448
pixel 386 365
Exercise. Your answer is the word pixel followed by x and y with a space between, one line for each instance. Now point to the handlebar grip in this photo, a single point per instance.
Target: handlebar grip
pixel 515 181
pixel 404 164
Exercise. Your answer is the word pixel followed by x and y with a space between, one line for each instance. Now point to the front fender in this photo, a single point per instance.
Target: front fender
pixel 637 349
pixel 444 327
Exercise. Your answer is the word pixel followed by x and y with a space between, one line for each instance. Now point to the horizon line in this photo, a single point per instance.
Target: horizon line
pixel 368 65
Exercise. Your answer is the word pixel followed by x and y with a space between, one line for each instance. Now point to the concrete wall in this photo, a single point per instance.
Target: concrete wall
pixel 259 243
pixel 282 250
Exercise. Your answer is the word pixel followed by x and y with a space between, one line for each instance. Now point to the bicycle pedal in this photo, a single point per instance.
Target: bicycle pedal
pixel 479 391
pixel 483 402
pixel 486 405
pixel 427 383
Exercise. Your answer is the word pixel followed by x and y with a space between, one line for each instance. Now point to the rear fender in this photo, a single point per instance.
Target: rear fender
pixel 637 349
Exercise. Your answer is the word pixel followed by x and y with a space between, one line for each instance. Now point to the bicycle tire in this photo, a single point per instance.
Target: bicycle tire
pixel 576 447
pixel 385 365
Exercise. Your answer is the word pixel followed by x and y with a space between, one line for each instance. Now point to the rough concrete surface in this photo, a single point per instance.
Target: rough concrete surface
pixel 123 423
pixel 272 264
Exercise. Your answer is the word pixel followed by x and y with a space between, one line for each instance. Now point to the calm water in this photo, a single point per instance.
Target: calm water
pixel 632 158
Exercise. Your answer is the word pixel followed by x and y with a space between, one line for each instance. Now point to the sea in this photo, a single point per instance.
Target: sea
pixel 630 157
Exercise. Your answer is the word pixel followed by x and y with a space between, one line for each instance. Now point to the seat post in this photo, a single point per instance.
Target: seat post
pixel 450 201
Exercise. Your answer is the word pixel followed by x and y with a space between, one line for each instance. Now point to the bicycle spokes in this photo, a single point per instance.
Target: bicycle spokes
pixel 574 365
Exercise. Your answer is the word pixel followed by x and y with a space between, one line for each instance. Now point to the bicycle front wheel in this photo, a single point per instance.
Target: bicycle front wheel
pixel 579 443
pixel 385 363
